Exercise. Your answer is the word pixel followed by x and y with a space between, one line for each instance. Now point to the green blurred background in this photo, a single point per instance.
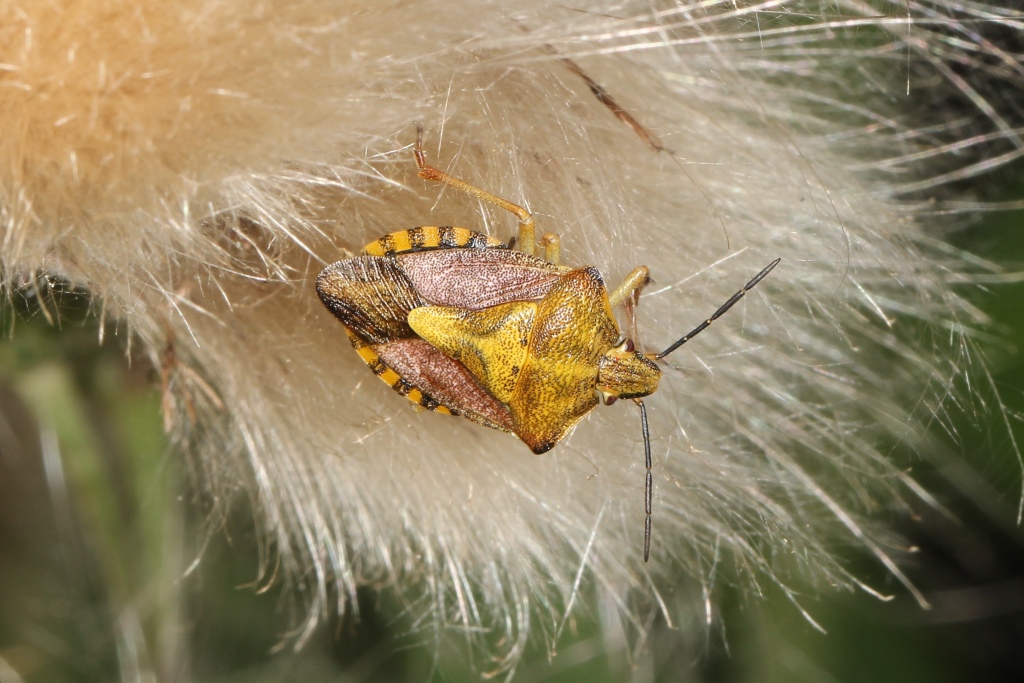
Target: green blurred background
pixel 99 527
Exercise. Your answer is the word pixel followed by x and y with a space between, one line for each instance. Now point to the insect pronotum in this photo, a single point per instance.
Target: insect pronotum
pixel 460 323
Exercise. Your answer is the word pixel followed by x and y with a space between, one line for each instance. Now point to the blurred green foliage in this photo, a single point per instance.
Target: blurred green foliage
pixel 100 531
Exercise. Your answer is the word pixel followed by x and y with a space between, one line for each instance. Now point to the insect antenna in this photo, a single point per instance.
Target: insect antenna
pixel 722 309
pixel 649 485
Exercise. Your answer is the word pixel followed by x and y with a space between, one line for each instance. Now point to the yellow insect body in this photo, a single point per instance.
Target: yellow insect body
pixel 540 359
pixel 492 343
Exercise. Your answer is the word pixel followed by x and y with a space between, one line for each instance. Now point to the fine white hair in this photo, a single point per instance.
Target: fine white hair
pixel 195 164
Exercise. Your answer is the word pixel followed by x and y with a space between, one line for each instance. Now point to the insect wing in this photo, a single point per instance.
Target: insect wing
pixel 473 279
pixel 443 380
pixel 371 296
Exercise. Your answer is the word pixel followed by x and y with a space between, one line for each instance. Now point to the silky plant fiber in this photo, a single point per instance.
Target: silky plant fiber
pixel 194 165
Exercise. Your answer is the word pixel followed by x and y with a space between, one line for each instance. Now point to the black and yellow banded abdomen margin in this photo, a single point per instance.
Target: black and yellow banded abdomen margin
pixel 430 237
pixel 392 378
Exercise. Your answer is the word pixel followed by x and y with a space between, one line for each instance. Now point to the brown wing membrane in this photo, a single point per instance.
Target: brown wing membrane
pixel 478 278
pixel 371 296
pixel 445 380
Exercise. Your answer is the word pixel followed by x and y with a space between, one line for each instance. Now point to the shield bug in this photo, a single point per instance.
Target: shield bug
pixel 460 323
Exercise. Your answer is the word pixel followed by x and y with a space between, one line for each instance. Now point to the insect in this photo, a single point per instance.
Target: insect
pixel 460 323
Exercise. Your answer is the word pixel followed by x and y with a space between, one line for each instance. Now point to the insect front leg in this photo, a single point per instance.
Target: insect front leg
pixel 628 294
pixel 552 244
pixel 630 288
pixel 527 239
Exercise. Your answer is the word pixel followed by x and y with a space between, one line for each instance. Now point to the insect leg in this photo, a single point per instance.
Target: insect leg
pixel 552 244
pixel 527 231
pixel 628 294
pixel 631 287
pixel 721 309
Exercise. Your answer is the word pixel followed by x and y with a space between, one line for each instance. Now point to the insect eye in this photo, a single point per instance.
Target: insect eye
pixel 629 346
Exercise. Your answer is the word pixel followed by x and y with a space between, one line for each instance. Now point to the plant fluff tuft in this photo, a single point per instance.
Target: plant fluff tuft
pixel 194 165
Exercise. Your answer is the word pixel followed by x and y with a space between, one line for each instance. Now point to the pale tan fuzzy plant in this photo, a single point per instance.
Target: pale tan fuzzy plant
pixel 195 164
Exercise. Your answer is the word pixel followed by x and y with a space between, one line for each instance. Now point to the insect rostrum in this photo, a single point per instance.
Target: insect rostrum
pixel 459 323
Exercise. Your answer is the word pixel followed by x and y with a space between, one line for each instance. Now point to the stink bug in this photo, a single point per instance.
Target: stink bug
pixel 460 323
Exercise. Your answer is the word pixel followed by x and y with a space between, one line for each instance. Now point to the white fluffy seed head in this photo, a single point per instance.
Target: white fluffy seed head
pixel 196 164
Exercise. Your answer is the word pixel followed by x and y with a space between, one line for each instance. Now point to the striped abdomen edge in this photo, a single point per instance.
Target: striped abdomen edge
pixel 392 378
pixel 428 237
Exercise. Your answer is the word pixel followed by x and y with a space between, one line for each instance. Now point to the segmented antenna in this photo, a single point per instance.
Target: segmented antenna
pixel 722 309
pixel 649 484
